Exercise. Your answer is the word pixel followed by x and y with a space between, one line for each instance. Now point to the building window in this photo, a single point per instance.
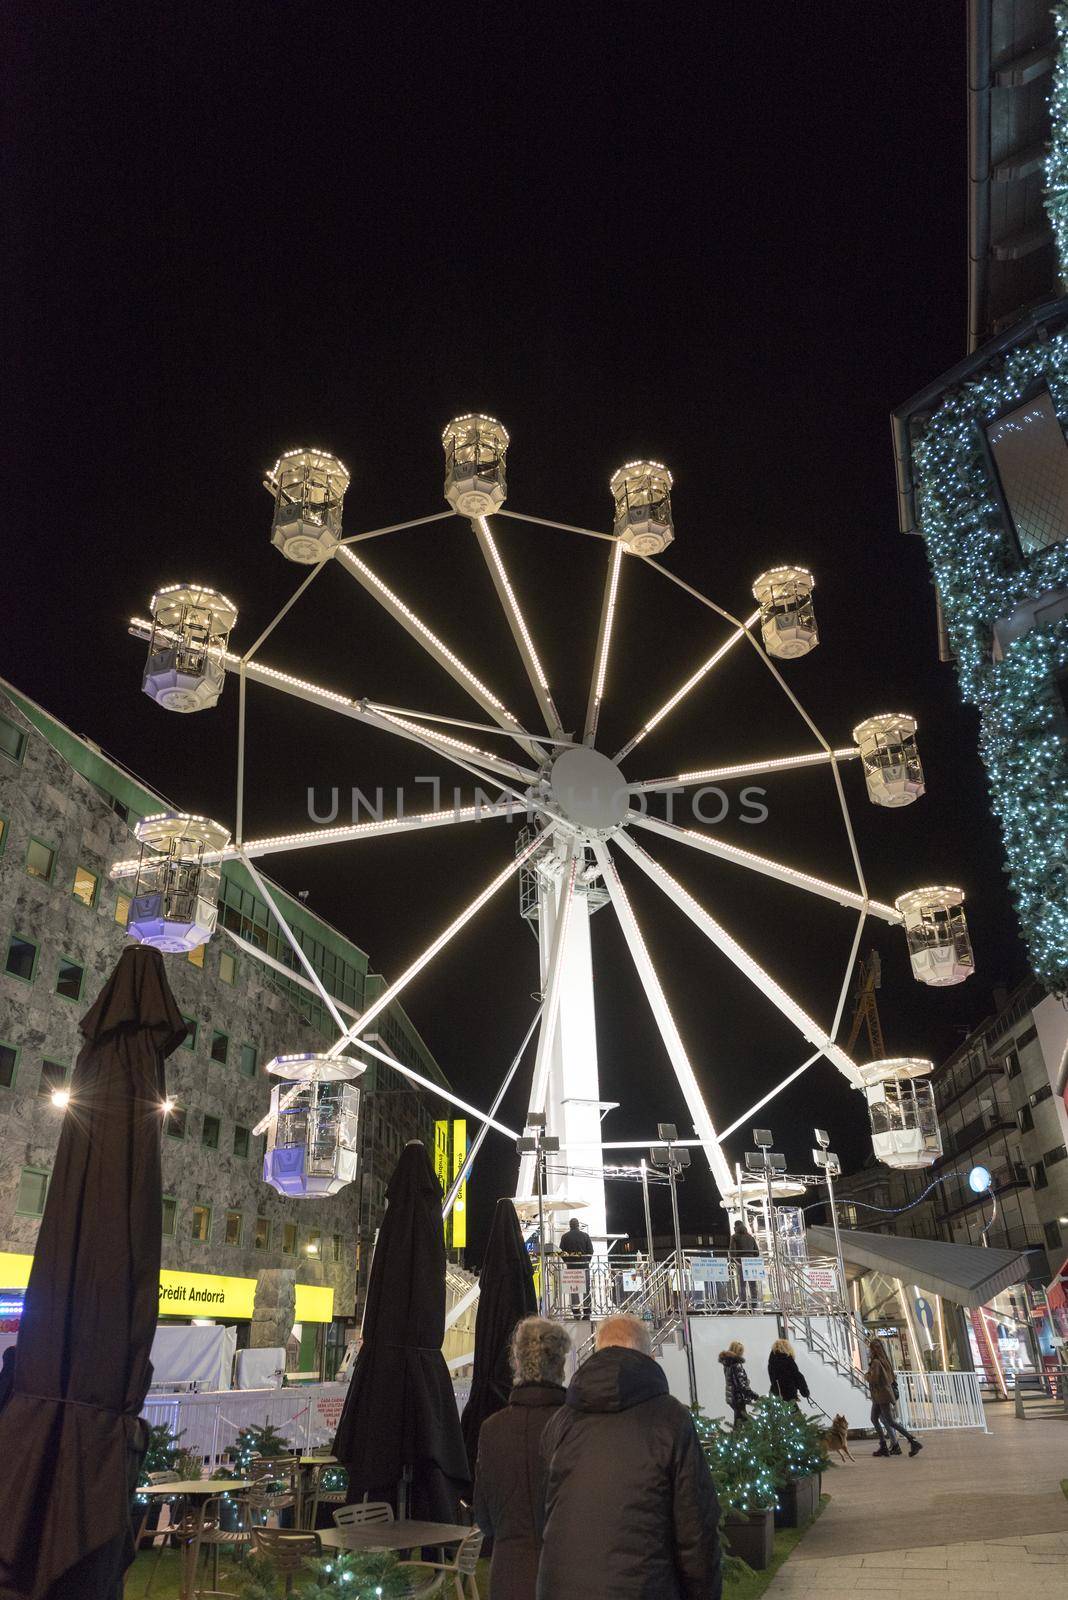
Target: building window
pixel 241 1140
pixel 289 1238
pixel 12 740
pixel 261 1239
pixel 1038 1176
pixel 21 958
pixel 1027 1037
pixel 1053 1236
pixel 32 1191
pixel 1045 1093
pixel 1012 1065
pixel 190 1040
pixel 40 859
pixel 233 1227
pixel 220 1047
pixel 1025 1121
pixel 3 833
pixel 1031 456
pixel 53 1077
pixel 1051 1157
pixel 227 967
pixel 69 979
pixel 210 1132
pixel 9 1060
pixel 170 1214
pixel 314 1246
pixel 86 885
pixel 248 1060
pixel 196 955
pixel 337 1247
pixel 122 909
pixel 174 1122
pixel 202 1223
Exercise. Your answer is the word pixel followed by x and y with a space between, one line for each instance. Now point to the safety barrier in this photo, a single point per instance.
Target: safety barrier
pixel 930 1400
pixel 208 1424
pixel 715 1285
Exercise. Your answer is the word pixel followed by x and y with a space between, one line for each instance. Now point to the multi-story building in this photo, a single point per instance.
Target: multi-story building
pixel 982 457
pixel 998 1108
pixel 66 811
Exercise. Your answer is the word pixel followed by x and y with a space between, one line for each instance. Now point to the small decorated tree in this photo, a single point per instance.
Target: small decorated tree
pixel 742 1472
pixel 790 1443
pixel 359 1574
pixel 265 1441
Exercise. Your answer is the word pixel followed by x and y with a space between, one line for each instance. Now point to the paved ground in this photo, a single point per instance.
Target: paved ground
pixel 962 1518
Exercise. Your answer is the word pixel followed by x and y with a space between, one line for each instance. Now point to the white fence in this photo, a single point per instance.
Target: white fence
pixel 306 1418
pixel 929 1400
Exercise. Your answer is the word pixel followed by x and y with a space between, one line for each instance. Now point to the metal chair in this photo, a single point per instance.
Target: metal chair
pixel 286 1549
pixel 320 1496
pixel 275 1484
pixel 461 1568
pixel 214 1537
pixel 164 1539
pixel 363 1512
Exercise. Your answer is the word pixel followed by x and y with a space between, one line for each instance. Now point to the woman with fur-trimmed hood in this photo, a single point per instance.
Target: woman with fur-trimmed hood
pixel 736 1381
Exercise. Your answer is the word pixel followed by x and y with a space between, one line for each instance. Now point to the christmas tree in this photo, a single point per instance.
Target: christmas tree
pixel 360 1575
pixel 742 1471
pixel 789 1442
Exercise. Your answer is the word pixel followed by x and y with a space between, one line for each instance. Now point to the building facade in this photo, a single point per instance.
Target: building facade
pixel 66 812
pixel 982 457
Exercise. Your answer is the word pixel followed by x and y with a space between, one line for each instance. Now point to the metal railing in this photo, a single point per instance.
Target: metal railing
pixel 929 1400
pixel 714 1283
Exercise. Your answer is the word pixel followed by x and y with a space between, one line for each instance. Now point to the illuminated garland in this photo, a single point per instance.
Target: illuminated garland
pixel 1057 157
pixel 981 577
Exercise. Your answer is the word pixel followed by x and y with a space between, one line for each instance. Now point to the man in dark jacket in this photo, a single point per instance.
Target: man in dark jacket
pixel 742 1243
pixel 576 1250
pixel 630 1508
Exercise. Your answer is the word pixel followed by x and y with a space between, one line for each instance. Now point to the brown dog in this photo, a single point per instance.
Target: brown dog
pixel 836 1439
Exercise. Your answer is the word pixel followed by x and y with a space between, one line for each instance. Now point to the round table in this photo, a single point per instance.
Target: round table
pixel 199 1490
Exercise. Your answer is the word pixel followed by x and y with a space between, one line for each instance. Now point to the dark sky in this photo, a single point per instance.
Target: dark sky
pixel 728 237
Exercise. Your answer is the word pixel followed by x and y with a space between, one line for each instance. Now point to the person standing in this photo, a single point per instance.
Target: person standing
pixel 630 1506
pixel 785 1377
pixel 742 1244
pixel 510 1475
pixel 881 1386
pixel 576 1251
pixel 736 1382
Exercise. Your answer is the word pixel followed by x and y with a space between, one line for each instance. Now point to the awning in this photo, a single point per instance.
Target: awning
pixel 1057 1292
pixel 965 1273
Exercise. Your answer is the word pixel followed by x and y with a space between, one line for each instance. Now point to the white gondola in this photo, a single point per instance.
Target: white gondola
pixel 641 491
pixel 940 946
pixel 901 1107
pixel 309 492
pixel 313 1126
pixel 476 448
pixel 891 761
pixel 176 891
pixel 190 630
pixel 787 615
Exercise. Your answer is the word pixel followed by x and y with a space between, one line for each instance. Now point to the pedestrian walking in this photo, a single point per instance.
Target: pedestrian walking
pixel 630 1508
pixel 742 1244
pixel 510 1475
pixel 882 1387
pixel 785 1377
pixel 736 1381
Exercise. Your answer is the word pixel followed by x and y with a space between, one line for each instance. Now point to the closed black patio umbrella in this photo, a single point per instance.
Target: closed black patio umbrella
pixel 505 1296
pixel 400 1418
pixel 71 1438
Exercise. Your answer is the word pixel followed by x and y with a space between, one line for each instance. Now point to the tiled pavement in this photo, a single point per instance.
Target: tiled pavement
pixel 962 1518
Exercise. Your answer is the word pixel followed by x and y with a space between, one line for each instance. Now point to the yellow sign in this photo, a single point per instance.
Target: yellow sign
pixel 197 1294
pixel 459 1210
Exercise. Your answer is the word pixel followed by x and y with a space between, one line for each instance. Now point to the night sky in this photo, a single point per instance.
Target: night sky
pixel 730 238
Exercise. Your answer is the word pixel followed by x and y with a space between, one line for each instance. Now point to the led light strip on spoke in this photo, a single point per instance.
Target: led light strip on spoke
pixel 531 660
pixel 744 769
pixel 771 869
pixel 604 643
pixel 390 994
pixel 691 683
pixel 741 959
pixel 550 1011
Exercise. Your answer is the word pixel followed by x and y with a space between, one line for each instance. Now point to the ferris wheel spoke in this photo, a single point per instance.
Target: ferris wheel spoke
pixel 436 648
pixel 604 643
pixel 520 631
pixel 683 690
pixel 744 769
pixel 479 1139
pixel 550 1008
pixel 390 993
pixel 763 864
pixel 741 958
pixel 673 1044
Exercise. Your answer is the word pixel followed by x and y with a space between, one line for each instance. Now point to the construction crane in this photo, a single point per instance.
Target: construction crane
pixel 869 977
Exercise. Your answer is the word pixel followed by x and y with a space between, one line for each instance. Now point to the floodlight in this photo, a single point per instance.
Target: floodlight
pixel 682 1157
pixel 660 1155
pixel 526 1146
pixel 776 1162
pixel 754 1160
pixel 667 1130
pixel 762 1137
pixel 822 1137
pixel 550 1141
pixel 535 1119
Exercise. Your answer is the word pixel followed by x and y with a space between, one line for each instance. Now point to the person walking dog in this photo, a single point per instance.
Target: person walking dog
pixel 882 1387
pixel 510 1476
pixel 736 1381
pixel 785 1378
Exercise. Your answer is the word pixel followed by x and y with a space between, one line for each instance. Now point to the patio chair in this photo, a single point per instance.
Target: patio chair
pixel 275 1486
pixel 286 1549
pixel 363 1512
pixel 461 1569
pixel 320 1496
pixel 214 1537
pixel 163 1538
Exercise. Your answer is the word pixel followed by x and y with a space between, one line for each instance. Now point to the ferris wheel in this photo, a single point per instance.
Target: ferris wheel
pixel 585 811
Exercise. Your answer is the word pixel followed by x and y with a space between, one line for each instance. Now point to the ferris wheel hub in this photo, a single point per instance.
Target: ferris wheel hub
pixel 589 790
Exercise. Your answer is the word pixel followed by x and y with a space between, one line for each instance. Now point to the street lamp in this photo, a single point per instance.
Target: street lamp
pixel 675 1158
pixel 825 1158
pixel 538 1143
pixel 769 1163
pixel 981 1181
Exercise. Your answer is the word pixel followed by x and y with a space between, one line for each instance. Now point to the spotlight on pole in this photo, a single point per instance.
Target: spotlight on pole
pixel 61 1099
pixel 979 1180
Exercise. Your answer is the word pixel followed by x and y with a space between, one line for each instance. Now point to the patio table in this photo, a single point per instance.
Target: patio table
pixel 200 1490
